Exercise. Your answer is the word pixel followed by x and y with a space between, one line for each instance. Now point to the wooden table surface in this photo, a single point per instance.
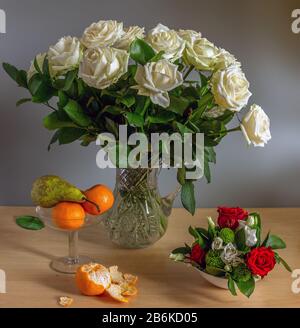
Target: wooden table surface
pixel 25 256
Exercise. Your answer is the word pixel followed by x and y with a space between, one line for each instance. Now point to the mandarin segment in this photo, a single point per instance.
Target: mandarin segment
pixel 115 291
pixel 116 275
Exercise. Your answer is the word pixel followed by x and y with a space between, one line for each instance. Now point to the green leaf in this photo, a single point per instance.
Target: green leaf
pixel 62 99
pixel 181 250
pixel 162 116
pixel 215 271
pixel 20 76
pixel 203 232
pixel 40 90
pixel 36 66
pixel 128 101
pixel 231 286
pixel 141 52
pixel 114 110
pixel 45 67
pixel 135 119
pixel 71 75
pixel 181 175
pixel 207 173
pixel 246 287
pixel 77 114
pixel 240 240
pixel 68 135
pixel 11 70
pixel 142 104
pixel 22 79
pixel 188 197
pixel 111 126
pixel 178 105
pixel 265 240
pixel 287 267
pixel 22 101
pixel 193 232
pixel 53 122
pixel 53 139
pixel 158 56
pixel 182 128
pixel 29 222
pixel 274 242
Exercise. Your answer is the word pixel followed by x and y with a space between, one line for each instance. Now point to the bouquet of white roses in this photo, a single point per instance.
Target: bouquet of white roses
pixel 114 76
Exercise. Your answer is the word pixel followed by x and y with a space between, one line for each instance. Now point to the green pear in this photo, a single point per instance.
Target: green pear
pixel 49 190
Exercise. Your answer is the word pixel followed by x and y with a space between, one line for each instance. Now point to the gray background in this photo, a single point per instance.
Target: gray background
pixel 257 32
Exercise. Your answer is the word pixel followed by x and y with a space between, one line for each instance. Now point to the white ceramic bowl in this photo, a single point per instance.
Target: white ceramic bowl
pixel 220 282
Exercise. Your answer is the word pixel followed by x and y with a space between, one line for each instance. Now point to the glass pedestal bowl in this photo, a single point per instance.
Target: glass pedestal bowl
pixel 70 263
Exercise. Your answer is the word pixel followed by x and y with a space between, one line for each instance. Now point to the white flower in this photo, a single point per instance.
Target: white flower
pixel 155 79
pixel 102 34
pixel 102 67
pixel 162 39
pixel 40 61
pixel 189 35
pixel 230 88
pixel 64 56
pixel 201 54
pixel 217 243
pixel 130 34
pixel 225 59
pixel 211 223
pixel 250 234
pixel 229 254
pixel 256 126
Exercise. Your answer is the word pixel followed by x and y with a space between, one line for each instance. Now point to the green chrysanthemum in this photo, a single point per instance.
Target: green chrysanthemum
pixel 227 235
pixel 213 259
pixel 241 273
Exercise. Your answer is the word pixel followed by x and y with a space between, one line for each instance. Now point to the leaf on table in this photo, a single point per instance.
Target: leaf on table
pixel 29 222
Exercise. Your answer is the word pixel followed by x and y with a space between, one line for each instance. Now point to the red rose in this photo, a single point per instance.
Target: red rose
pixel 197 254
pixel 261 260
pixel 229 216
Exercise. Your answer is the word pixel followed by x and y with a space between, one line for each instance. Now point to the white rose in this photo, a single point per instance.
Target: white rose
pixel 155 79
pixel 229 254
pixel 189 35
pixel 102 67
pixel 230 88
pixel 256 126
pixel 201 54
pixel 225 59
pixel 40 61
pixel 130 34
pixel 64 56
pixel 217 243
pixel 163 39
pixel 102 34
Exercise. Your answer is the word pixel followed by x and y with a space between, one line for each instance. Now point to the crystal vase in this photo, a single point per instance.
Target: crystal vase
pixel 139 216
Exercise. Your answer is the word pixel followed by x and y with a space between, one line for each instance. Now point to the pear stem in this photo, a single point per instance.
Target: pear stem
pixel 93 203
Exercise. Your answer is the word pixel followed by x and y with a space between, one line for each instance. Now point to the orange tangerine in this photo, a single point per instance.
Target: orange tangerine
pixel 68 215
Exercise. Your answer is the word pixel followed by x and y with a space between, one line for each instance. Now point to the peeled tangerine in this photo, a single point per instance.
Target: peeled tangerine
pixel 93 279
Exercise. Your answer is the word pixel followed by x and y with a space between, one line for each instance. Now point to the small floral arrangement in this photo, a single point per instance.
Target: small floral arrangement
pixel 233 249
